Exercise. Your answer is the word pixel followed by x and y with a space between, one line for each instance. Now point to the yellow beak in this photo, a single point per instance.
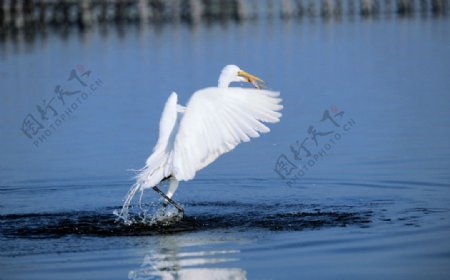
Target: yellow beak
pixel 255 81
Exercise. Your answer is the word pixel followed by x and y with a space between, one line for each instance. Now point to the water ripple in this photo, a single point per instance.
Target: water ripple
pixel 242 216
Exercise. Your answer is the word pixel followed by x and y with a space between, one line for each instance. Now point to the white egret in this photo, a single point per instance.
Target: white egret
pixel 213 122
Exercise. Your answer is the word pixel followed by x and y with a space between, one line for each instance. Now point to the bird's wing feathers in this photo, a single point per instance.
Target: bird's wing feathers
pixel 167 122
pixel 218 119
pixel 158 163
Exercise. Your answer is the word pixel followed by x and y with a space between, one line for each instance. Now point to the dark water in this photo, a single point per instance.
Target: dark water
pixel 371 203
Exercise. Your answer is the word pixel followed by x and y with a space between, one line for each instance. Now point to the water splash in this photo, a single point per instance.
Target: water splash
pixel 149 214
pixel 124 212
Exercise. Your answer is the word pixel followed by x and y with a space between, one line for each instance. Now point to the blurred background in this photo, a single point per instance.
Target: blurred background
pixel 82 87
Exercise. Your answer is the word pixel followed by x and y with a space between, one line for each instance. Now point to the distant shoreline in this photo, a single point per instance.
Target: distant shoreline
pixel 29 15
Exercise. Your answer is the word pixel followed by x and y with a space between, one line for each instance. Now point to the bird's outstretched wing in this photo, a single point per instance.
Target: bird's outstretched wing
pixel 167 123
pixel 218 119
pixel 158 164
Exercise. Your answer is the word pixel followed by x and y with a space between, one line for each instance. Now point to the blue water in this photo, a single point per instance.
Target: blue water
pixel 372 204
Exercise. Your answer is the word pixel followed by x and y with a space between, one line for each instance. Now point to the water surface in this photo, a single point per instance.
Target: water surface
pixel 374 205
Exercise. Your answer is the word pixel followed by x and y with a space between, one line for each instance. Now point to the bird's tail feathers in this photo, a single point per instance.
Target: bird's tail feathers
pixel 157 167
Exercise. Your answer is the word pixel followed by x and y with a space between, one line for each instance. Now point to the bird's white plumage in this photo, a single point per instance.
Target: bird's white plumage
pixel 215 121
pixel 218 119
pixel 167 122
pixel 158 164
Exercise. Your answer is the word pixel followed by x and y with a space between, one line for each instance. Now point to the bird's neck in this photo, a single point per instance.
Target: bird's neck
pixel 224 81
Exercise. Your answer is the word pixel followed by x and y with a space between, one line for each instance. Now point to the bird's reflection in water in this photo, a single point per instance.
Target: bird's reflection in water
pixel 170 262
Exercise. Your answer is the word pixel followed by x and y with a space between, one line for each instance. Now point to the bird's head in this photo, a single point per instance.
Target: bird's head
pixel 232 73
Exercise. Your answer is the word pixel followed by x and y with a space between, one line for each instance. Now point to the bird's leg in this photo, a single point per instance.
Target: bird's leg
pixel 168 199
